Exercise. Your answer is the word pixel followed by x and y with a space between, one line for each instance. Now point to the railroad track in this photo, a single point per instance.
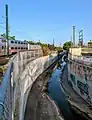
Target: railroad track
pixel 4 59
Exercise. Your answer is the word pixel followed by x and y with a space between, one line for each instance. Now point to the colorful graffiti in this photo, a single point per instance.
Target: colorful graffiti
pixel 80 76
pixel 84 90
pixel 81 70
pixel 73 78
pixel 83 87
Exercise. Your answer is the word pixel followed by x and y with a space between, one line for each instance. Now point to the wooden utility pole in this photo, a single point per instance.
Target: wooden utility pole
pixel 7 42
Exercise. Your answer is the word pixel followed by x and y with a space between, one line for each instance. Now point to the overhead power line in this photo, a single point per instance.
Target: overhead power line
pixel 2 23
pixel 2 27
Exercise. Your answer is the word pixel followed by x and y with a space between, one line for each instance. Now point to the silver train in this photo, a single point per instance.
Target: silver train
pixel 17 45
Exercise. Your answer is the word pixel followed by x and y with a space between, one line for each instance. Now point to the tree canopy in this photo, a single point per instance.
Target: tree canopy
pixel 90 42
pixel 9 37
pixel 67 45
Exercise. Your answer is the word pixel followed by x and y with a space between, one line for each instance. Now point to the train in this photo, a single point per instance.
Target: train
pixel 16 46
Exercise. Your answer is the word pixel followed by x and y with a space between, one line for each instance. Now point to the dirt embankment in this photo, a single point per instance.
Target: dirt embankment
pixel 3 65
pixel 39 105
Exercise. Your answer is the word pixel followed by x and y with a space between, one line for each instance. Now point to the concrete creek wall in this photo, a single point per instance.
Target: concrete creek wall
pixel 81 78
pixel 25 81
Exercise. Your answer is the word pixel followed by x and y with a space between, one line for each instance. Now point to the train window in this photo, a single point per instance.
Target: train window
pixel 12 41
pixel 3 40
pixel 18 47
pixel 16 42
pixel 26 48
pixel 2 47
pixel 15 47
pixel 21 47
pixel 12 47
pixel 26 43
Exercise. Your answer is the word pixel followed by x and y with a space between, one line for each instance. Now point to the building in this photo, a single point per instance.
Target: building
pixel 81 51
pixel 89 44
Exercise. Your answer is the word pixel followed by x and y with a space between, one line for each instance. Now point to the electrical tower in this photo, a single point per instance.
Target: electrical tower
pixel 81 38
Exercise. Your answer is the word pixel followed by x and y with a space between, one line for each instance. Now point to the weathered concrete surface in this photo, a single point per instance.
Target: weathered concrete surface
pixel 76 102
pixel 25 82
pixel 39 105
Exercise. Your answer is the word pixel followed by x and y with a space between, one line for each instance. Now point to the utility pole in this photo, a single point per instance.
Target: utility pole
pixel 39 41
pixel 60 44
pixel 73 36
pixel 53 42
pixel 71 42
pixel 7 42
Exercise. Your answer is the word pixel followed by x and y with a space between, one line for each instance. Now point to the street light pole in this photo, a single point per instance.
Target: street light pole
pixel 7 42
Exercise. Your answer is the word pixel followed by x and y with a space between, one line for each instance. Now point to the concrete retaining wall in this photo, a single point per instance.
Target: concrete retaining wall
pixel 75 51
pixel 81 78
pixel 25 82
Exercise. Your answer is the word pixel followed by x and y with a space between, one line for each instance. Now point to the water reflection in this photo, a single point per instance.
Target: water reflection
pixel 56 92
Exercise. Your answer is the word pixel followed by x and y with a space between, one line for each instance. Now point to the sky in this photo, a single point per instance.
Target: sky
pixel 47 19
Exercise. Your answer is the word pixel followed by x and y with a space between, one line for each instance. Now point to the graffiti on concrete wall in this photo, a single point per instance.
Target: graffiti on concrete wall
pixel 83 87
pixel 80 76
pixel 80 70
pixel 73 78
pixel 84 90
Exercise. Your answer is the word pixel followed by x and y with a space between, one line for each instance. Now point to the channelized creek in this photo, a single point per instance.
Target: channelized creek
pixel 57 93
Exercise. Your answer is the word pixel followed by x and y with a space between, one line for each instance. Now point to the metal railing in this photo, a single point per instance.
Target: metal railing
pixel 15 67
pixel 81 59
pixel 8 87
pixel 86 50
pixel 6 95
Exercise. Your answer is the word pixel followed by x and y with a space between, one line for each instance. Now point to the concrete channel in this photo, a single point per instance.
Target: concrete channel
pixel 39 105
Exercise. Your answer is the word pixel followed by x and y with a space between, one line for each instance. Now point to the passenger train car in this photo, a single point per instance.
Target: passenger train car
pixel 17 45
pixel 14 45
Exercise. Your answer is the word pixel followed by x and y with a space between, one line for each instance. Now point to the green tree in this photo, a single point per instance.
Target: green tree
pixel 59 49
pixel 51 47
pixel 9 37
pixel 31 42
pixel 3 35
pixel 39 43
pixel 90 42
pixel 67 45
